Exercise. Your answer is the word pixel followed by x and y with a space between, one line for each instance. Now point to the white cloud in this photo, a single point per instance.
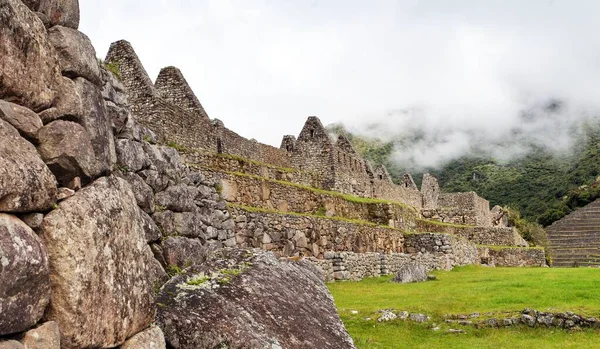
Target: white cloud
pixel 469 67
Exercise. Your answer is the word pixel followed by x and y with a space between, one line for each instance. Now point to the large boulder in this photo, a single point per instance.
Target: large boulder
pixel 26 184
pixel 24 271
pixel 24 120
pixel 102 269
pixel 30 71
pixel 96 121
pixel 66 148
pixel 151 338
pixel 77 56
pixel 131 156
pixel 182 252
pixel 67 104
pixel 249 299
pixel 411 272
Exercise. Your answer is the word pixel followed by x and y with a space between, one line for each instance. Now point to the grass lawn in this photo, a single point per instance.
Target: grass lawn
pixel 467 290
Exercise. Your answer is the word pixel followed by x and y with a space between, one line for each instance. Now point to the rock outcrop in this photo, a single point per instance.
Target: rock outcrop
pixel 411 273
pixel 24 276
pixel 249 299
pixel 102 283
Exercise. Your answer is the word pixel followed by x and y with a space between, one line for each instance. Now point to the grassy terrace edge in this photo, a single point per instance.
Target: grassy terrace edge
pixel 347 197
pixel 254 209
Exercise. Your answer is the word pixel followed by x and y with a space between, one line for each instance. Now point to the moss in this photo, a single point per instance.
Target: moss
pixel 198 280
pixel 178 147
pixel 321 211
pixel 123 168
pixel 173 270
pixel 444 224
pixel 254 162
pixel 500 248
pixel 219 188
pixel 112 67
pixel 147 139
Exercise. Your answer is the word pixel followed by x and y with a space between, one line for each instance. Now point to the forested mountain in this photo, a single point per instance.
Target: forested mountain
pixel 543 185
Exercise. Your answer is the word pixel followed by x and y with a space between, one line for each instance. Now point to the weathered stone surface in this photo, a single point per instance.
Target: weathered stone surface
pixel 100 262
pixel 77 56
pixel 183 252
pixel 67 104
pixel 30 72
pixel 66 148
pixel 24 120
pixel 59 12
pixel 64 193
pixel 98 124
pixel 47 336
pixel 430 191
pixel 33 220
pixel 131 156
pixel 150 228
pixel 26 184
pixel 151 338
pixel 179 198
pixel 250 299
pixel 24 271
pixel 11 345
pixel 411 273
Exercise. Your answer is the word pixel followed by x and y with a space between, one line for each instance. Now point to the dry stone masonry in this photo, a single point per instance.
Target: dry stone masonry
pixel 115 190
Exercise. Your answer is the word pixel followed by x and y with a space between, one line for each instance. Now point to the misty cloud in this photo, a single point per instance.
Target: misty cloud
pixel 450 76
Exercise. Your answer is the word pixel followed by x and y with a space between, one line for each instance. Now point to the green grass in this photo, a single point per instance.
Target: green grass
pixel 467 290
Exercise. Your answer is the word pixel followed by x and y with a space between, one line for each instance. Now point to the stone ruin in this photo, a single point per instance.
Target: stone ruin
pixel 256 175
pixel 122 203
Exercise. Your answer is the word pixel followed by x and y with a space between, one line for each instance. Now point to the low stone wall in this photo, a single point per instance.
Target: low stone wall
pixel 300 235
pixel 459 251
pixel 278 196
pixel 357 266
pixel 434 251
pixel 215 165
pixel 461 208
pixel 496 236
pixel 512 256
pixel 390 191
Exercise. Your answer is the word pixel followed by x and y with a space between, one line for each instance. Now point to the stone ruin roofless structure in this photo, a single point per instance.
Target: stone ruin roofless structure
pixel 172 110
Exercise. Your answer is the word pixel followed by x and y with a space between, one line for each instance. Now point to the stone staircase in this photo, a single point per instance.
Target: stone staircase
pixel 575 239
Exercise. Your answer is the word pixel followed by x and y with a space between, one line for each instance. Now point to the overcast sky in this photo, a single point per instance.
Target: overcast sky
pixel 467 67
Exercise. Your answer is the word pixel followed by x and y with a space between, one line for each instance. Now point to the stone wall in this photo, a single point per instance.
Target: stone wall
pixel 357 266
pixel 172 86
pixel 575 239
pixel 498 236
pixel 285 197
pixel 216 166
pixel 458 250
pixel 512 256
pixel 172 111
pixel 461 208
pixel 297 235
